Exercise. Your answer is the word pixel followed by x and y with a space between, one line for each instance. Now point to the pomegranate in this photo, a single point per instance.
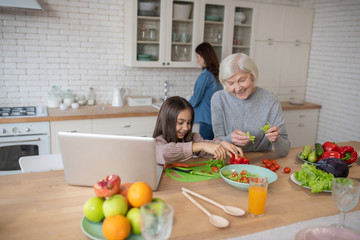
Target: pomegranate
pixel 107 187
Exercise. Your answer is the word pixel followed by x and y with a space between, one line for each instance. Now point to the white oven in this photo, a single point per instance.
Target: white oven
pixel 22 139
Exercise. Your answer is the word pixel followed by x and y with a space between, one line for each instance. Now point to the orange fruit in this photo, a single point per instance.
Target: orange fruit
pixel 116 227
pixel 139 193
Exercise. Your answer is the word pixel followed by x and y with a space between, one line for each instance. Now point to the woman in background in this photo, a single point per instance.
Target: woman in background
pixel 175 140
pixel 206 85
pixel 243 107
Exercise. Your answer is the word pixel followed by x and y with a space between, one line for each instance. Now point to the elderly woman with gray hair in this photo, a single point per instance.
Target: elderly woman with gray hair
pixel 243 108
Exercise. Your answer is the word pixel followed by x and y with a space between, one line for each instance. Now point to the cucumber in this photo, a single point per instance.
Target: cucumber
pixel 305 152
pixel 319 149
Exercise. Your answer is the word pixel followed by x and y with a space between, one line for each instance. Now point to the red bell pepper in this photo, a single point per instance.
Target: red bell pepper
pixel 330 146
pixel 239 159
pixel 330 154
pixel 348 154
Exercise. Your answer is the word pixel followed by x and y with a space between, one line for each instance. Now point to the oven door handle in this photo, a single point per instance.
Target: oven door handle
pixel 21 141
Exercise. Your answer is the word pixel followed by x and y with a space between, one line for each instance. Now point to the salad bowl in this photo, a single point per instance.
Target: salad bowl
pixel 252 169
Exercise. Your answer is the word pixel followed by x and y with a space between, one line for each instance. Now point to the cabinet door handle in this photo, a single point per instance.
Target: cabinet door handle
pixel 301 125
pixel 74 131
pixel 163 63
pixel 270 43
pixel 168 64
pixel 127 126
pixel 270 39
pixel 301 116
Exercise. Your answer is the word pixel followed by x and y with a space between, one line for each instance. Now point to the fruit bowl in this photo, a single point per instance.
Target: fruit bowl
pixel 262 172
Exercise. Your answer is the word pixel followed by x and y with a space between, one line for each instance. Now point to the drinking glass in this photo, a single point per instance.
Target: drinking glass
pixel 345 193
pixel 257 196
pixel 156 220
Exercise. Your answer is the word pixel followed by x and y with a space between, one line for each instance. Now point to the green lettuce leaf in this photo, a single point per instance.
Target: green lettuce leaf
pixel 318 180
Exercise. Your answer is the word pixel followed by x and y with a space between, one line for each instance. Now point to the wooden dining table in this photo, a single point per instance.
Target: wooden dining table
pixel 42 206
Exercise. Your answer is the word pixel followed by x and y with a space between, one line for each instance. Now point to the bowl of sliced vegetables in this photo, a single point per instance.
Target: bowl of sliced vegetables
pixel 238 175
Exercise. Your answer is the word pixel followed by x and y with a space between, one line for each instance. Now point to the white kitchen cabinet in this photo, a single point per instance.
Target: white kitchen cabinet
pixel 220 26
pixel 175 38
pixel 301 126
pixel 133 126
pixel 80 126
pixel 282 49
pixel 284 23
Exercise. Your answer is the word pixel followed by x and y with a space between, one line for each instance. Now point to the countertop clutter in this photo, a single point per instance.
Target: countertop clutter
pixel 43 206
pixel 94 112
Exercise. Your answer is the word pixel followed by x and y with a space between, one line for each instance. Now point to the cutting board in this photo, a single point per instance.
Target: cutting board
pixel 187 177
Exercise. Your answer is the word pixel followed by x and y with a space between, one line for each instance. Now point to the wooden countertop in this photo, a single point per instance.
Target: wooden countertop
pixel 93 112
pixel 88 112
pixel 43 206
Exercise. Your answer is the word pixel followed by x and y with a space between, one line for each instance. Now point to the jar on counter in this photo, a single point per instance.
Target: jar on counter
pixel 91 97
pixel 68 98
pixel 54 99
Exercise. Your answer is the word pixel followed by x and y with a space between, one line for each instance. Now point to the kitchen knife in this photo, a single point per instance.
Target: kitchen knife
pixel 194 172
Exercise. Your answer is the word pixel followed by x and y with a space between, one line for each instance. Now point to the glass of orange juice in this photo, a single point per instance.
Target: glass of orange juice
pixel 258 188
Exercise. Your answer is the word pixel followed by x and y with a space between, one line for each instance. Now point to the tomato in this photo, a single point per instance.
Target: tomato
pixel 243 172
pixel 234 174
pixel 244 180
pixel 264 161
pixel 202 171
pixel 273 162
pixel 287 170
pixel 268 164
pixel 215 169
pixel 209 172
pixel 272 168
pixel 277 166
pixel 246 161
pixel 239 160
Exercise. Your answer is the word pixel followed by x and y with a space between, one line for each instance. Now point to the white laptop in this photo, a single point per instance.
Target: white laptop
pixel 90 157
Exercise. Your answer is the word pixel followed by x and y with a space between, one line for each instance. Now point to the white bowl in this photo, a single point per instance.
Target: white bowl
pixel 182 10
pixel 63 106
pixel 75 105
pixel 147 6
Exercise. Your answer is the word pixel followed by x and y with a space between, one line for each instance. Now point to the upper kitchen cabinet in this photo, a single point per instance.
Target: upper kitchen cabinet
pixel 283 23
pixel 241 17
pixel 160 33
pixel 214 18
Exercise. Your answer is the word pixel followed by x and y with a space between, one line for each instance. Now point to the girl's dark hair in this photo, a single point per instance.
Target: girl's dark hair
pixel 167 118
pixel 207 52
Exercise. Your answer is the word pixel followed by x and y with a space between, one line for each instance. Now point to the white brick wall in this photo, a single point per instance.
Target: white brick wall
pixel 334 69
pixel 77 44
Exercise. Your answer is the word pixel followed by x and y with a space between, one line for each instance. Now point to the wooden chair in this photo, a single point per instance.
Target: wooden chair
pixel 40 163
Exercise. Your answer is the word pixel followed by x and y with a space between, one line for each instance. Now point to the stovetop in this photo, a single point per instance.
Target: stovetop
pixel 28 111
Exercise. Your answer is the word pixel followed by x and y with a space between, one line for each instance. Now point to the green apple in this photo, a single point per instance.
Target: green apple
pixel 114 205
pixel 93 209
pixel 134 218
pixel 158 205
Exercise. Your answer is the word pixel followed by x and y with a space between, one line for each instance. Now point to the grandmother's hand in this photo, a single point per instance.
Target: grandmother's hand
pixel 273 133
pixel 239 138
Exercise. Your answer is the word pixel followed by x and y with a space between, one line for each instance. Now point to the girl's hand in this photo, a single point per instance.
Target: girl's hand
pixel 273 134
pixel 215 149
pixel 231 148
pixel 239 138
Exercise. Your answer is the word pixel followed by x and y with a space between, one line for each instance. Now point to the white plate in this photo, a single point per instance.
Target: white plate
pixel 299 183
pixel 326 233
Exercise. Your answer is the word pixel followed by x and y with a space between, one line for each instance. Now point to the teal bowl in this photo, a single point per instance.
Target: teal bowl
pixel 262 172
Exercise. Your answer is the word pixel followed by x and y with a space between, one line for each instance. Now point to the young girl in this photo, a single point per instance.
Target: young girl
pixel 175 140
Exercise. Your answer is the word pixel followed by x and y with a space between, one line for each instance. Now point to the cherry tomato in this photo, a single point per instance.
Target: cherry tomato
pixel 209 172
pixel 243 172
pixel 287 170
pixel 203 171
pixel 264 161
pixel 277 166
pixel 246 161
pixel 273 162
pixel 234 174
pixel 268 164
pixel 272 168
pixel 215 169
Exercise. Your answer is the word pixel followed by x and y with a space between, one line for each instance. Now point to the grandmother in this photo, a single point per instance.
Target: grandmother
pixel 242 109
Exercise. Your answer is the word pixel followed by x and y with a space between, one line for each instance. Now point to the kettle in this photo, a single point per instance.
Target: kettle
pixel 118 97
